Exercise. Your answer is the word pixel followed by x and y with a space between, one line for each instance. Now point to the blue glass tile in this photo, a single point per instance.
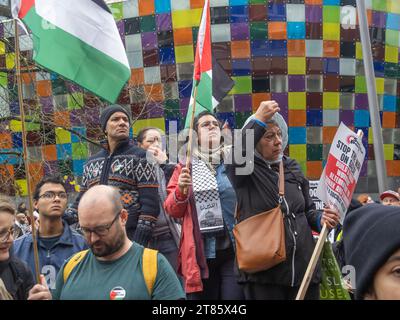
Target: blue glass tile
pixel 314 118
pixel 379 68
pixel 185 88
pixel 80 130
pixel 237 2
pixel 241 67
pixel 64 150
pixel 239 14
pixel 332 2
pixel 77 166
pixel 297 135
pixel 389 103
pixel 166 55
pixel 393 21
pixel 331 65
pixel 260 48
pixel 227 116
pixel 361 118
pixel 162 6
pixel 278 48
pixel 296 30
pixel 276 12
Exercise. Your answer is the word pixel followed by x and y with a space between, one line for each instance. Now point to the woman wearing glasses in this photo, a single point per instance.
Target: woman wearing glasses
pixel 15 277
pixel 206 253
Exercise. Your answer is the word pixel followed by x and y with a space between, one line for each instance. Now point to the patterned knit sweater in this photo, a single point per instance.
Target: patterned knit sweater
pixel 127 169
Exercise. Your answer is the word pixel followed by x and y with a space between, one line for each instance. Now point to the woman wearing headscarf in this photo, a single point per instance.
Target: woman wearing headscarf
pixel 206 253
pixel 257 192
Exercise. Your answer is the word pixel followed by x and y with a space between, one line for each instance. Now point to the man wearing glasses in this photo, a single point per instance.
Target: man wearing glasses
pixel 115 267
pixel 56 240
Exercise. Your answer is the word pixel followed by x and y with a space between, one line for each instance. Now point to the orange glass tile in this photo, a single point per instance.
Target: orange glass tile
pixel 49 152
pixel 314 169
pixel 328 134
pixel 183 36
pixel 44 88
pixel 296 48
pixel 240 49
pixel 257 98
pixel 61 118
pixel 196 4
pixel 5 141
pixel 137 77
pixel 297 118
pixel 331 49
pixel 154 92
pixel 389 120
pixel 6 170
pixel 146 7
pixel 277 30
pixel 393 168
pixel 314 2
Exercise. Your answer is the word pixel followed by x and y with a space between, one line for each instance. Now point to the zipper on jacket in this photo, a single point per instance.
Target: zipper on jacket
pixel 48 253
pixel 294 240
pixel 106 168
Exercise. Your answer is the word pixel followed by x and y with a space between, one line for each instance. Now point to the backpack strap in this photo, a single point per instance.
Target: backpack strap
pixel 71 264
pixel 149 266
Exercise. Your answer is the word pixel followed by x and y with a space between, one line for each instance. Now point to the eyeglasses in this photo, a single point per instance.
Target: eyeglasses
pixel 5 235
pixel 102 230
pixel 271 136
pixel 51 195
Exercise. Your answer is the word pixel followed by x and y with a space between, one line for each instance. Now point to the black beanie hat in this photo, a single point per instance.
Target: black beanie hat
pixel 107 112
pixel 371 234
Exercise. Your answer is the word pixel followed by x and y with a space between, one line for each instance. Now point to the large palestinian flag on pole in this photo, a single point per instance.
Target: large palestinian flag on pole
pixel 211 79
pixel 79 40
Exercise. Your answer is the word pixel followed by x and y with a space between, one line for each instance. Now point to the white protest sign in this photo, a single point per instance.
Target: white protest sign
pixel 343 166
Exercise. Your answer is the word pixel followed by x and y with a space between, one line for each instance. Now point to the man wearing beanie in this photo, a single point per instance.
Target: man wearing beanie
pixel 371 236
pixel 123 165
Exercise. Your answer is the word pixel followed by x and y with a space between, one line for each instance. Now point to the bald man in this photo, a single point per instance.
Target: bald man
pixel 113 268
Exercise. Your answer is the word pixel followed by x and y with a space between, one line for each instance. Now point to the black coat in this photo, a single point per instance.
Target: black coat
pixel 258 192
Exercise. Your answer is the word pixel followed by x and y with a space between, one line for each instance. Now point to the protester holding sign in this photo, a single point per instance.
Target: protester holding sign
pixel 257 192
pixel 206 254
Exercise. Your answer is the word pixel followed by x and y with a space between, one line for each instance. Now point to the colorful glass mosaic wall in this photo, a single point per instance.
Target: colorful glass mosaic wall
pixel 302 54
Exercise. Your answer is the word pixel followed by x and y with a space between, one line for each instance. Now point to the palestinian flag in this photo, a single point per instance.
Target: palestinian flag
pixel 79 40
pixel 210 78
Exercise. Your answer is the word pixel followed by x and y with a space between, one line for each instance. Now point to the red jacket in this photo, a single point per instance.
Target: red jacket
pixel 192 264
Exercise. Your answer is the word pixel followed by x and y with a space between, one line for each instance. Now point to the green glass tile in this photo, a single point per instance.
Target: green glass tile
pixel 3 79
pixel 258 31
pixel 241 117
pixel 172 108
pixel 314 152
pixel 195 32
pixel 58 86
pixel 379 5
pixel 65 167
pixel 392 37
pixel 391 70
pixel 75 101
pixel 80 151
pixel 361 85
pixel 257 2
pixel 148 23
pixel 398 105
pixel 117 10
pixel 303 166
pixel 331 14
pixel 242 85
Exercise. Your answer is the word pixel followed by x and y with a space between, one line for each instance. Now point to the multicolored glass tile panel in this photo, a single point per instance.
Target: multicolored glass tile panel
pixel 304 54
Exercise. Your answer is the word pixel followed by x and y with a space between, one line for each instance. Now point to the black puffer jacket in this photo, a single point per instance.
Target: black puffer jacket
pixel 258 192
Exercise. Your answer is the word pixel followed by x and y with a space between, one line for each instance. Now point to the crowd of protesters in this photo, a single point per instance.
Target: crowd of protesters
pixel 148 229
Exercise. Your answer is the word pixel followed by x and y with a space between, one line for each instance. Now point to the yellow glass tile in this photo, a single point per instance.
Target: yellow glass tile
pixel 296 65
pixel 391 54
pixel 62 136
pixel 2 48
pixel 331 100
pixel 186 18
pixel 388 151
pixel 370 136
pixel 331 31
pixel 393 6
pixel 297 100
pixel 184 54
pixel 10 60
pixel 380 85
pixel 143 123
pixel 16 126
pixel 23 186
pixel 359 54
pixel 298 152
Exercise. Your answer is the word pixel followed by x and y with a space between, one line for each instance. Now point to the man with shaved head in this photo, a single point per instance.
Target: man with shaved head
pixel 114 268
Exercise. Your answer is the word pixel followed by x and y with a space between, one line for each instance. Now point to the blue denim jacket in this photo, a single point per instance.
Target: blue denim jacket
pixel 228 203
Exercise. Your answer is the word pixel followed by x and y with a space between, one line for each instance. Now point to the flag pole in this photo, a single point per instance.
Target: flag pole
pixel 189 148
pixel 315 256
pixel 24 143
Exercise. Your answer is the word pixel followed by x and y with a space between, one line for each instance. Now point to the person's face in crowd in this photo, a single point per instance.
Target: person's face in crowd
pixel 386 283
pixel 103 227
pixel 270 145
pixel 390 201
pixel 52 200
pixel 21 218
pixel 117 127
pixel 209 132
pixel 6 234
pixel 152 138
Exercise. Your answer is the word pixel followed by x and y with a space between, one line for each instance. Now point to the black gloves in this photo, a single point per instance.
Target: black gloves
pixel 144 231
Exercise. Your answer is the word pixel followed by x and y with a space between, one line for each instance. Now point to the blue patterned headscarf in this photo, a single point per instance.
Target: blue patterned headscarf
pixel 278 120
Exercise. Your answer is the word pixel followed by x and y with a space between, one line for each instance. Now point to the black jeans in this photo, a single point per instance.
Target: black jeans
pixel 257 291
pixel 166 245
pixel 222 283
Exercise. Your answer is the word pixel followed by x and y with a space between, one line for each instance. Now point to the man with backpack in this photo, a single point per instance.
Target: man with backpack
pixel 114 268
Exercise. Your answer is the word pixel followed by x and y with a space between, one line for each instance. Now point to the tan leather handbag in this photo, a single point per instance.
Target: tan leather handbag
pixel 260 239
